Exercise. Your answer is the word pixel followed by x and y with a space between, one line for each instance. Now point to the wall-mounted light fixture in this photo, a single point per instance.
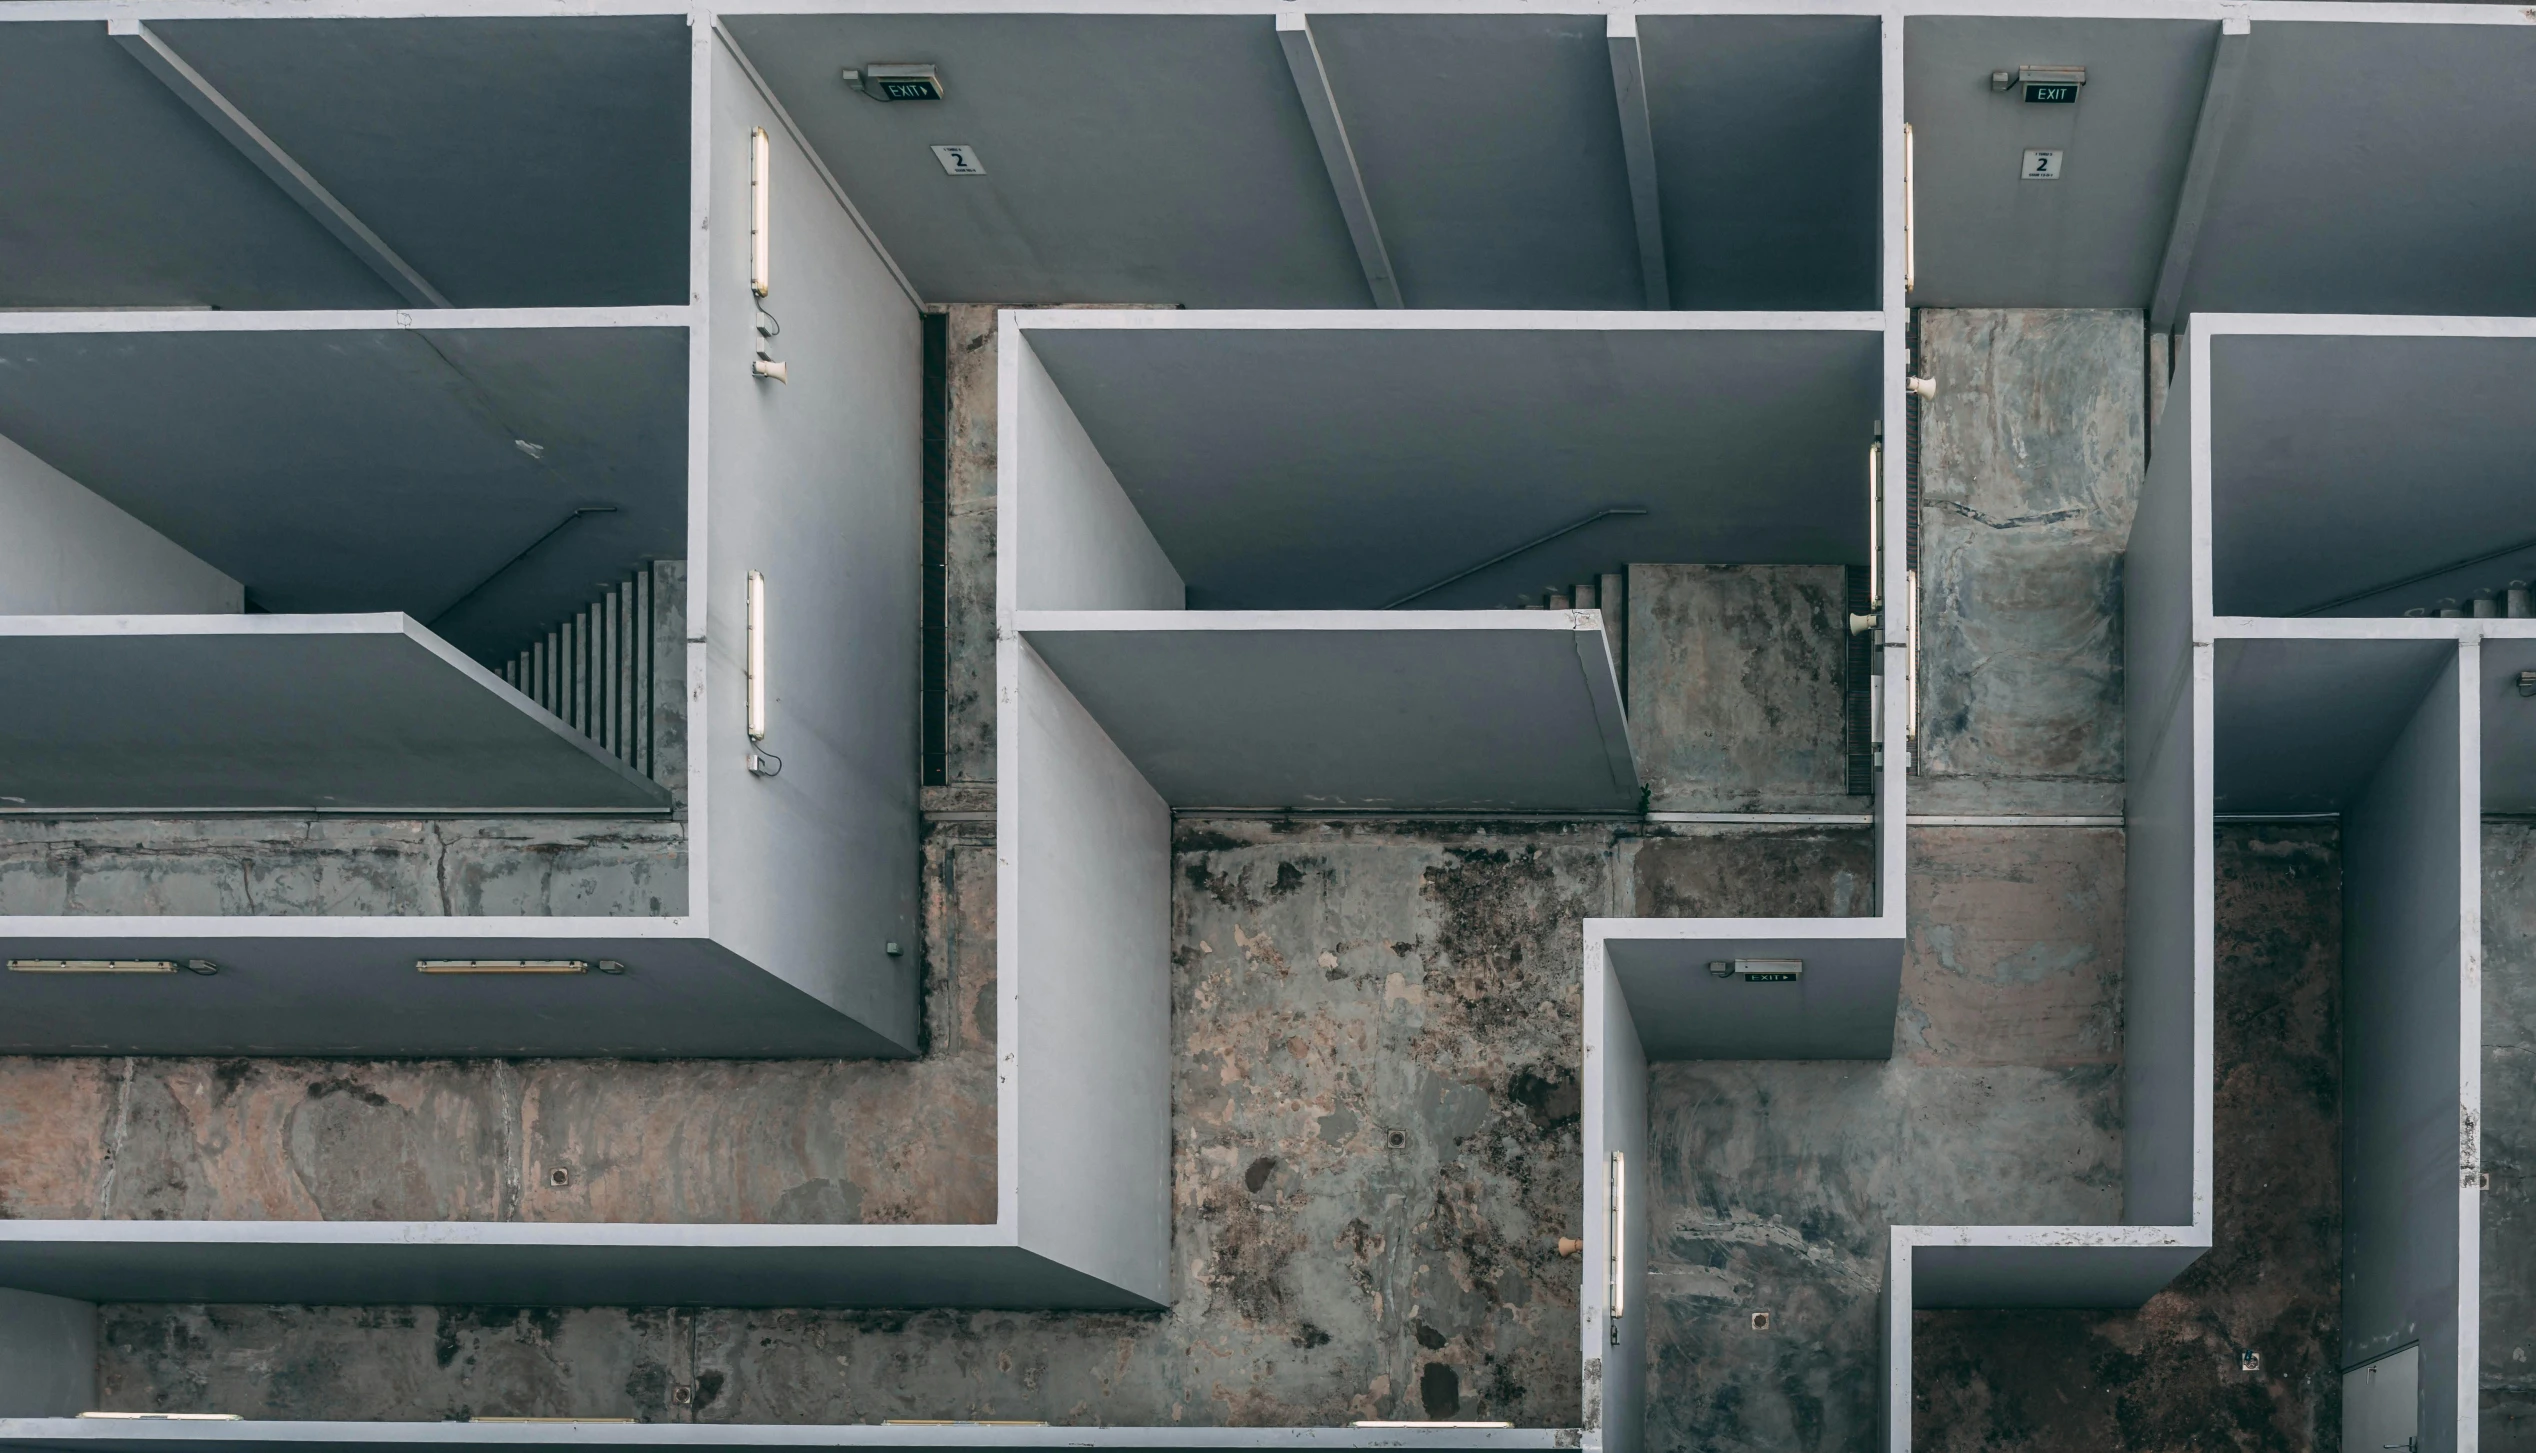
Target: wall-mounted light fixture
pixel 92 966
pixel 502 966
pixel 761 763
pixel 1910 232
pixel 1618 1240
pixel 761 186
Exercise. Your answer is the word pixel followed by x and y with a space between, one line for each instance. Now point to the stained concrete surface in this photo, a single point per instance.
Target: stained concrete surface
pixel 2509 1137
pixel 2169 1375
pixel 1774 1181
pixel 968 546
pixel 2030 465
pixel 1735 687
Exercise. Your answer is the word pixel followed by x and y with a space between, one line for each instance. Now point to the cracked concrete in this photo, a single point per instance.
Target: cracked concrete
pixel 2030 467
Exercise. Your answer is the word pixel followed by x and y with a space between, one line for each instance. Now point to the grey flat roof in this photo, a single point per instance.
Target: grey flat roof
pixel 1511 710
pixel 281 712
pixel 343 462
pixel 513 161
pixel 1166 158
pixel 2371 166
pixel 1286 462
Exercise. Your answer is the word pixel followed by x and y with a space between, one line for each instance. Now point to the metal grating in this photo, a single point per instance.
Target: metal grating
pixel 1858 690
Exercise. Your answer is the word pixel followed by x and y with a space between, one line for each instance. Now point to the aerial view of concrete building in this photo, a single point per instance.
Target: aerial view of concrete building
pixel 1465 726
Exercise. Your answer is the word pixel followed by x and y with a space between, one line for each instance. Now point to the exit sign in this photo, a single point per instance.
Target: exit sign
pixel 2051 93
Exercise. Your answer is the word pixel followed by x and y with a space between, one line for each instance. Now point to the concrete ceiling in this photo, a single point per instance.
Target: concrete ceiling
pixel 283 712
pixel 2370 167
pixel 1167 159
pixel 1373 711
pixel 1840 1007
pixel 2301 724
pixel 369 470
pixel 512 162
pixel 2347 463
pixel 1345 467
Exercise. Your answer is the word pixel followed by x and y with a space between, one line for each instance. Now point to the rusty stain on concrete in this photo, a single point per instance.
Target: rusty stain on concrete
pixel 2168 1375
pixel 1735 681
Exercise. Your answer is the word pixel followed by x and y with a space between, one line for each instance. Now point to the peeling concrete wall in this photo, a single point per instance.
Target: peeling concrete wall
pixel 2509 1138
pixel 2168 1376
pixel 1735 679
pixel 2030 466
pixel 1775 1181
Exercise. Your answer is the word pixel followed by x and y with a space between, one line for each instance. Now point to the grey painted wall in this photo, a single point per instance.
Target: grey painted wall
pixel 2410 958
pixel 817 483
pixel 48 1356
pixel 64 550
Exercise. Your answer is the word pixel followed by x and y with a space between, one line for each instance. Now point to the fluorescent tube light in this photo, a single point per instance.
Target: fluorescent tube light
pixel 761 183
pixel 756 656
pixel 92 966
pixel 502 966
pixel 1619 1238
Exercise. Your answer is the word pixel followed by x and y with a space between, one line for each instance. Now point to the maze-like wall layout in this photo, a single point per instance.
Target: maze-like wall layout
pixel 517 411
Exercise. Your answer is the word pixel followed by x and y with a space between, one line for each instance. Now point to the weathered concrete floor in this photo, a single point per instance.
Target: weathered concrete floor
pixel 2168 1376
pixel 1775 1181
pixel 2509 1137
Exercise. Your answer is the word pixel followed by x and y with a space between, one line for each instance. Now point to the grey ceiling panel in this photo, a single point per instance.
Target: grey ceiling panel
pixel 2377 168
pixel 1490 145
pixel 2092 239
pixel 118 196
pixel 340 470
pixel 513 162
pixel 1767 131
pixel 1522 719
pixel 2343 464
pixel 2300 725
pixel 1839 1007
pixel 1321 468
pixel 221 712
pixel 1128 158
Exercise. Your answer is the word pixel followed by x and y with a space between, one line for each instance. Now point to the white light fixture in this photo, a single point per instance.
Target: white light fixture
pixel 756 656
pixel 92 966
pixel 1910 242
pixel 502 966
pixel 761 183
pixel 1617 1237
